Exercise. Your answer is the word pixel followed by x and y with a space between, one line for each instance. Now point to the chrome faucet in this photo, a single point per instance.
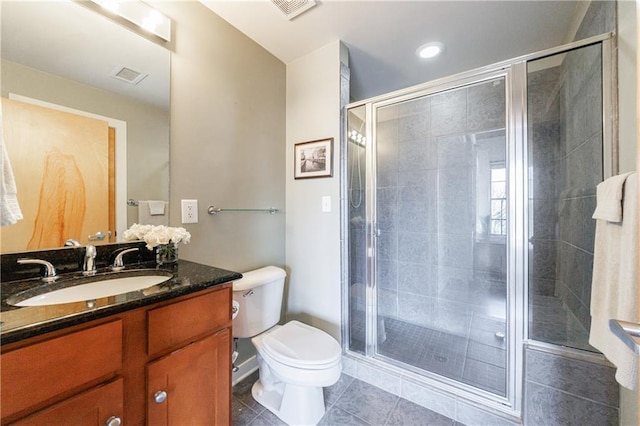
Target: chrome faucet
pixel 118 263
pixel 89 265
pixel 49 272
pixel 72 243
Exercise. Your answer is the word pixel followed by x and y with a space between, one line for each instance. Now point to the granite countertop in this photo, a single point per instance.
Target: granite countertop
pixel 17 323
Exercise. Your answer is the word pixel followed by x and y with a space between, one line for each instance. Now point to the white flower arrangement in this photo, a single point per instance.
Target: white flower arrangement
pixel 156 235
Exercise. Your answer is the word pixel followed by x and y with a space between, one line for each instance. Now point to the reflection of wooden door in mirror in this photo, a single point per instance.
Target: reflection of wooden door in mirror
pixel 61 166
pixel 112 185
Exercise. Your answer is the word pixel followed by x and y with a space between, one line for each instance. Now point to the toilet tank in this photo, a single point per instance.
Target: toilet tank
pixel 259 296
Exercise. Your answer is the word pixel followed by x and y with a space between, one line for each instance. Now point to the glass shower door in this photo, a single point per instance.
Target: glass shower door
pixel 440 234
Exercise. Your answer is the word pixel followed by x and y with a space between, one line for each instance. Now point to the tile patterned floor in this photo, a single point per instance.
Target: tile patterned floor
pixel 349 402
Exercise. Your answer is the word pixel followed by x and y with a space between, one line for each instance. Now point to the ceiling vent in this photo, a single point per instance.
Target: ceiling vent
pixel 293 8
pixel 128 75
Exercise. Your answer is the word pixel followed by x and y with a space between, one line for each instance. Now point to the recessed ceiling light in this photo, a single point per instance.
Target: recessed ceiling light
pixel 429 50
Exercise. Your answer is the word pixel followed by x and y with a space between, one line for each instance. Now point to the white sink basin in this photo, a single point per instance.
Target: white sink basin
pixel 93 290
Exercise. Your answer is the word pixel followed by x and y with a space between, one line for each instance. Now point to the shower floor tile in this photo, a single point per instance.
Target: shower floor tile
pixel 485 376
pixel 477 358
pixel 488 354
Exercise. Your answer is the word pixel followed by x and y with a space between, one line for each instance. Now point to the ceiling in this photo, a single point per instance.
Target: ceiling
pixel 382 36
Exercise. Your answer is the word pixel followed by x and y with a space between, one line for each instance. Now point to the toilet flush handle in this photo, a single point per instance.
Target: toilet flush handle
pixel 249 293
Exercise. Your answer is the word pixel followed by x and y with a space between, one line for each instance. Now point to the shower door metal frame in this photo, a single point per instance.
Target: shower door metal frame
pixel 510 404
pixel 514 72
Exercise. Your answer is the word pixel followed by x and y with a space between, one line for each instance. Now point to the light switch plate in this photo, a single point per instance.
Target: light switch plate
pixel 189 211
pixel 326 204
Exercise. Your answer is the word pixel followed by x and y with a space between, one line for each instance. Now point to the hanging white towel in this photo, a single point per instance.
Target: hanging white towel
pixel 609 198
pixel 614 289
pixel 156 207
pixel 145 217
pixel 10 209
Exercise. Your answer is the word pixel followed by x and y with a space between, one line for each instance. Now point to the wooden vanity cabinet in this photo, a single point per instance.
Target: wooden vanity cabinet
pixel 162 364
pixel 45 373
pixel 190 385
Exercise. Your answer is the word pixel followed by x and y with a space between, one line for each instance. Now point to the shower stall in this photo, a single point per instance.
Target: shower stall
pixel 467 223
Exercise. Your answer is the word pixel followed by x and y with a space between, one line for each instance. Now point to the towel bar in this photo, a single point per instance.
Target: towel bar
pixel 628 332
pixel 215 210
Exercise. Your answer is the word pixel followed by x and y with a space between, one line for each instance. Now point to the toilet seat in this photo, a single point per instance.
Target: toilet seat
pixel 299 345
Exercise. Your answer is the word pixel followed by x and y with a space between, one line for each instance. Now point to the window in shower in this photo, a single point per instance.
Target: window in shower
pixel 565 150
pixel 498 199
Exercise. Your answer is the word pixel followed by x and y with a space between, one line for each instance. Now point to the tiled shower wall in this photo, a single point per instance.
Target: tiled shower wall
pixel 581 114
pixel 568 391
pixel 565 137
pixel 426 178
pixel 582 147
pixel 545 165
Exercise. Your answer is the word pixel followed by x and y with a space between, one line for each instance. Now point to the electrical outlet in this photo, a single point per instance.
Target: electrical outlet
pixel 189 211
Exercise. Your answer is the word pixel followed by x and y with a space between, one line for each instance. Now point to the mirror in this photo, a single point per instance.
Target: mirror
pixel 63 56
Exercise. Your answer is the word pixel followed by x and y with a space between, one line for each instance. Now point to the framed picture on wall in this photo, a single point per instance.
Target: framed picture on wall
pixel 313 159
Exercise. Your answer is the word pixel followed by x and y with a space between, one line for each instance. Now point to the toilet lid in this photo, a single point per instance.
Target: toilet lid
pixel 296 343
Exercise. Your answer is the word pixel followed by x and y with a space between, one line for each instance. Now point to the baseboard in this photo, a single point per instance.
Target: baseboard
pixel 244 369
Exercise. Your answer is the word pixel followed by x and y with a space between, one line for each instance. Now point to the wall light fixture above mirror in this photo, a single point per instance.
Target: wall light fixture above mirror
pixel 140 14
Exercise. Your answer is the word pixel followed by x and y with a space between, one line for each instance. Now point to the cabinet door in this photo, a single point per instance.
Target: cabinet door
pixel 192 385
pixel 95 406
pixel 38 374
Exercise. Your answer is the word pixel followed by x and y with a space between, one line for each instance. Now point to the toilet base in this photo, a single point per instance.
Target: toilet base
pixel 294 405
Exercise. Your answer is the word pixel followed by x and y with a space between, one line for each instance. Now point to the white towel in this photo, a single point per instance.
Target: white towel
pixel 609 198
pixel 156 207
pixel 145 217
pixel 10 209
pixel 614 289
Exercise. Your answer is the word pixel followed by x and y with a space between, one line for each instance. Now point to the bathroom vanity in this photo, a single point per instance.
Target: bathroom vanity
pixel 158 356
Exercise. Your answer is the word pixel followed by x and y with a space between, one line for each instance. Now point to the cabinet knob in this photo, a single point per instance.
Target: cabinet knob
pixel 113 421
pixel 159 397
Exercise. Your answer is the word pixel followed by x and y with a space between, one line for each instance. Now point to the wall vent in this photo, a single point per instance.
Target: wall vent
pixel 128 75
pixel 293 8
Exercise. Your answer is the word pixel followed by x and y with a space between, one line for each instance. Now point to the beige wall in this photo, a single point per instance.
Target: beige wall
pixel 629 137
pixel 627 84
pixel 313 236
pixel 227 139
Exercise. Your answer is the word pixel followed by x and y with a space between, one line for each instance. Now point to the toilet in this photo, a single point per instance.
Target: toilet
pixel 295 360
